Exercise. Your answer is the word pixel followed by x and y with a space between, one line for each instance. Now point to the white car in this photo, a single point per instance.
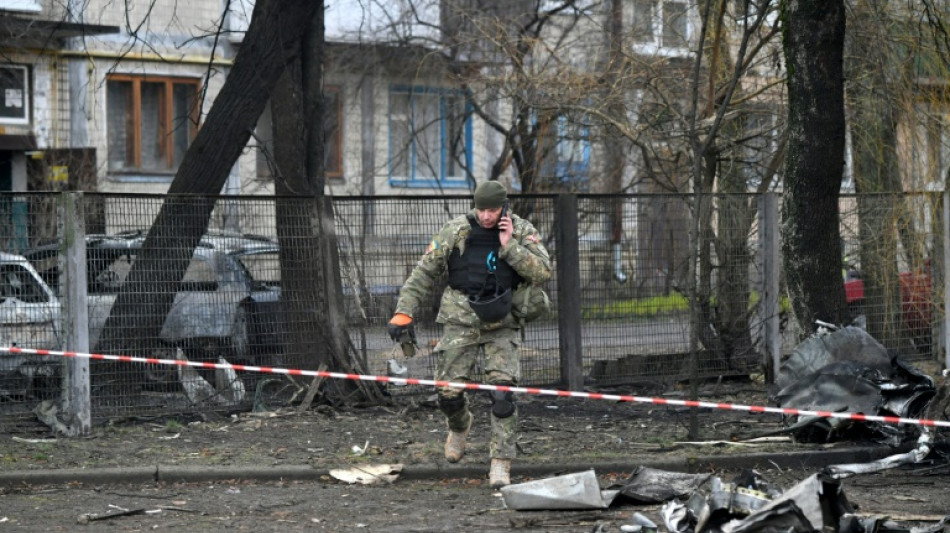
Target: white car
pixel 29 318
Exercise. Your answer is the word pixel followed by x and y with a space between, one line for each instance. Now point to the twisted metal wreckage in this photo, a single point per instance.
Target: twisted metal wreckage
pixel 834 370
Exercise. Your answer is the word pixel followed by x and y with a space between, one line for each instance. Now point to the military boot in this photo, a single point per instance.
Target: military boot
pixel 500 473
pixel 455 443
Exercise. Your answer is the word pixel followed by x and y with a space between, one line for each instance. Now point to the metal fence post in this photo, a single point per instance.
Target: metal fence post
pixel 944 323
pixel 76 394
pixel 569 292
pixel 768 222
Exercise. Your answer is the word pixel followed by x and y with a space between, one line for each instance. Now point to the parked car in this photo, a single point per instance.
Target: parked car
pixel 916 302
pixel 227 304
pixel 29 318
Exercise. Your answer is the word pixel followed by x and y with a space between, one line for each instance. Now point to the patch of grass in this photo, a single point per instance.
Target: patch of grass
pixel 172 425
pixel 638 307
pixel 655 306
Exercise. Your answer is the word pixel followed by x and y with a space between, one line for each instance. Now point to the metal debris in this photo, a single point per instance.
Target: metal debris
pixel 579 490
pixel 848 370
pixel 914 456
pixel 648 485
pixel 368 474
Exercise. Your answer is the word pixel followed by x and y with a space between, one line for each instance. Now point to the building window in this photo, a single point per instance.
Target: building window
pixel 332 137
pixel 15 87
pixel 24 6
pixel 747 11
pixel 564 155
pixel 151 122
pixel 757 143
pixel 661 26
pixel 430 134
pixel 333 132
pixel 927 149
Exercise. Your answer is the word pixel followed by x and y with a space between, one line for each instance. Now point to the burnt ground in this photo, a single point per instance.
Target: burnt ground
pixel 555 431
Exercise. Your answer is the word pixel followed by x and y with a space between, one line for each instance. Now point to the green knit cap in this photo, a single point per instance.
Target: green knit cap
pixel 490 194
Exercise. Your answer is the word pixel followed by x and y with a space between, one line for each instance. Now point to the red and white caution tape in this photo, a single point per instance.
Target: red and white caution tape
pixel 482 386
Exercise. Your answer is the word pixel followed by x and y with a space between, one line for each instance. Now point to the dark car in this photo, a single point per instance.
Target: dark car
pixel 227 303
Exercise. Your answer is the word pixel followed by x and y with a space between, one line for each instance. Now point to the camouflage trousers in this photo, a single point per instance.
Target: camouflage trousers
pixel 459 352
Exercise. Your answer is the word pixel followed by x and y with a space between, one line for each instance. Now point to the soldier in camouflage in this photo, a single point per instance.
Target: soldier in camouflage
pixel 486 254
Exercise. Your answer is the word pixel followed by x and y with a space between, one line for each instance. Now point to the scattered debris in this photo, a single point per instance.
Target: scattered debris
pixel 260 406
pixel 46 411
pixel 33 441
pixel 812 505
pixel 815 504
pixel 227 390
pixel 395 369
pixel 847 370
pixel 368 474
pixel 93 517
pixel 649 485
pixel 196 387
pixel 312 390
pixel 703 503
pixel 360 450
pixel 641 524
pixel 230 387
pixel 570 491
pixel 914 456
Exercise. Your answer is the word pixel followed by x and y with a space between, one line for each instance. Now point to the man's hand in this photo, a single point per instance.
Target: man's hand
pixel 401 330
pixel 505 230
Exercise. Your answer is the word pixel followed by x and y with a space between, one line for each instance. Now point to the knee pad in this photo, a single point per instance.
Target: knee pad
pixel 502 403
pixel 451 405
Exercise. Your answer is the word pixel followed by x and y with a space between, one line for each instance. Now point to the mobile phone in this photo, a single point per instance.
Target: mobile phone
pixel 504 209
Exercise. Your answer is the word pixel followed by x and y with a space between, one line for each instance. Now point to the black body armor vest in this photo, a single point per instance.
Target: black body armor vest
pixel 472 272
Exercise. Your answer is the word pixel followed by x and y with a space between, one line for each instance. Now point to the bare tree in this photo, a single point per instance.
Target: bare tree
pixel 273 39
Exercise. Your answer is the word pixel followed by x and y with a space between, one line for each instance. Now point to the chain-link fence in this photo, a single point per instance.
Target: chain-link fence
pixel 893 250
pixel 248 280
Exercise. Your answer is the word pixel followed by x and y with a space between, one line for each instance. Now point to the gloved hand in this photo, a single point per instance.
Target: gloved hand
pixel 401 330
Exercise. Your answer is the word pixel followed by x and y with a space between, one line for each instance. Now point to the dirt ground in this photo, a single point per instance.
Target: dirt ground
pixel 410 432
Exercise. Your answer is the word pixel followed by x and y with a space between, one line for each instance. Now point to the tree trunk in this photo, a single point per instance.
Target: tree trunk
pixel 272 39
pixel 814 45
pixel 730 317
pixel 311 285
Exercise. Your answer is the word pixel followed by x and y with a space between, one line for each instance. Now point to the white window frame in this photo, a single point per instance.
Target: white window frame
pixel 653 44
pixel 771 17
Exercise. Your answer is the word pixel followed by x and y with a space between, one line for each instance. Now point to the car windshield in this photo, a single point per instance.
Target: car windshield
pixel 263 267
pixel 17 282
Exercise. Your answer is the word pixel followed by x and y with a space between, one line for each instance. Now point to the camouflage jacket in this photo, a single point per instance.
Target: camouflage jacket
pixel 524 252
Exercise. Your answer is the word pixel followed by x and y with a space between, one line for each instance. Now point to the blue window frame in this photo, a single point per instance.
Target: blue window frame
pixel 564 154
pixel 430 137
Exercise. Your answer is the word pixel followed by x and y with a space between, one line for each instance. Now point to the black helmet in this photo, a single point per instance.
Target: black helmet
pixel 491 307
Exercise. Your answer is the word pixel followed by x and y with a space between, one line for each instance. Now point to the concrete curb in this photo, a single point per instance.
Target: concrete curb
pixel 193 474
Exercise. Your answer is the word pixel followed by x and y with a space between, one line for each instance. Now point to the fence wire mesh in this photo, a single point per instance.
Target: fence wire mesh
pixel 893 259
pixel 252 287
